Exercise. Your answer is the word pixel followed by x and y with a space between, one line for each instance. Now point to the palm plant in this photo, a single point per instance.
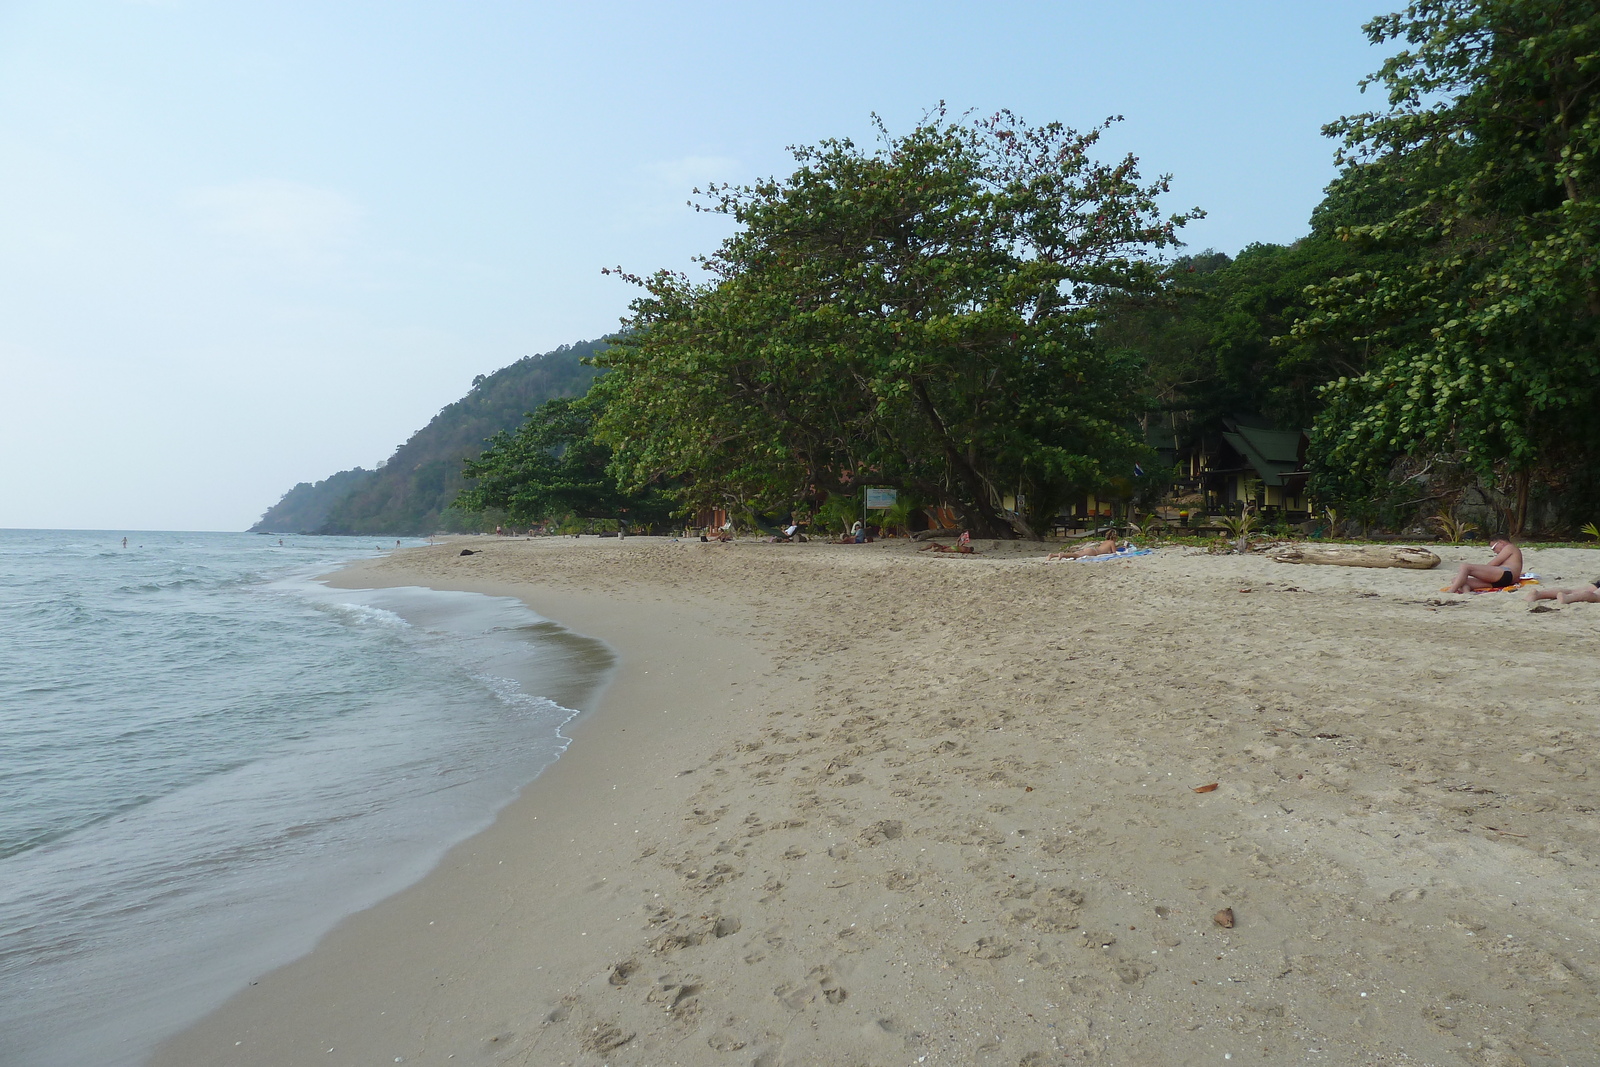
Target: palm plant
pixel 1453 529
pixel 1153 526
pixel 899 516
pixel 1239 528
pixel 1332 516
pixel 1591 530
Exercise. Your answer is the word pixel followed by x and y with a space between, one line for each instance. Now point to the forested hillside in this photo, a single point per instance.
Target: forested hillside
pixel 305 508
pixel 410 494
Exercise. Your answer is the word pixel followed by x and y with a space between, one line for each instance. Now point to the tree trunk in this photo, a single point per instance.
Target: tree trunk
pixel 982 519
pixel 1020 527
pixel 1355 556
pixel 1519 519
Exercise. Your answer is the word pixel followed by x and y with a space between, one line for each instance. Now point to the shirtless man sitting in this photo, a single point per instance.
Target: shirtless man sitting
pixel 1584 593
pixel 1505 569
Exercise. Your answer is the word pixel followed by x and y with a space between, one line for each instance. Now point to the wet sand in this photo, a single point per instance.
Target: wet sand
pixel 864 805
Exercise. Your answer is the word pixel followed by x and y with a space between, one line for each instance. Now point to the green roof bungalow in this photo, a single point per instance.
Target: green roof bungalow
pixel 1261 465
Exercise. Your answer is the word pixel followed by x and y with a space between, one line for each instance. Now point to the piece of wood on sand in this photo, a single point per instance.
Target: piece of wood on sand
pixel 1356 556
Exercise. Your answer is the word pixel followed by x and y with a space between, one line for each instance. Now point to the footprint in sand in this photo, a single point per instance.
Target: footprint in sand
pixel 605 1037
pixel 819 985
pixel 901 881
pixel 689 933
pixel 987 948
pixel 730 1036
pixel 676 994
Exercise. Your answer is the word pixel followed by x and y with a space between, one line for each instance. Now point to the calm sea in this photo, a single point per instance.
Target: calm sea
pixel 207 759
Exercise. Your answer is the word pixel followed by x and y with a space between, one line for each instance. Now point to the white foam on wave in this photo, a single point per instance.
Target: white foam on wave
pixel 510 692
pixel 363 614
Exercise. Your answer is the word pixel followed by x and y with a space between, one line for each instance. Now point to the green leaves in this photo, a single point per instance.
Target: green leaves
pixel 921 316
pixel 1483 336
pixel 551 466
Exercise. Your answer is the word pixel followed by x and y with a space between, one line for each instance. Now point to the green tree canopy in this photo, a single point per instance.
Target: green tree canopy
pixel 552 466
pixel 921 316
pixel 1483 334
pixel 1216 343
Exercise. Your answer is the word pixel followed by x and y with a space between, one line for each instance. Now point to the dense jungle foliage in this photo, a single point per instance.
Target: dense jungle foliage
pixel 552 467
pixel 978 312
pixel 982 313
pixel 1483 368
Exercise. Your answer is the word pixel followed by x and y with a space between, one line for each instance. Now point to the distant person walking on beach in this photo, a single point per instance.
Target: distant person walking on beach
pixel 1504 570
pixel 124 542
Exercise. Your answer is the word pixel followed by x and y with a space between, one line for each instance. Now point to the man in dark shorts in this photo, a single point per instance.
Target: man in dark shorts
pixel 1504 570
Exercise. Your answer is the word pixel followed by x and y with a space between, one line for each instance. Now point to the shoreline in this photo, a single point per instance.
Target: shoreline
pixel 179 825
pixel 902 807
pixel 537 825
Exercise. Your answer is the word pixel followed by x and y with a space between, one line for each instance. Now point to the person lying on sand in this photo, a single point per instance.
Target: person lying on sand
pixel 963 545
pixel 1504 570
pixel 1090 548
pixel 1583 594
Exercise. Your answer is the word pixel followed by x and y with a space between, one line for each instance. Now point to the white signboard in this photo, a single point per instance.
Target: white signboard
pixel 881 499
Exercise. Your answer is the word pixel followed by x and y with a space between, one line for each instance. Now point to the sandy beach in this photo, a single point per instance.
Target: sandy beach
pixel 863 805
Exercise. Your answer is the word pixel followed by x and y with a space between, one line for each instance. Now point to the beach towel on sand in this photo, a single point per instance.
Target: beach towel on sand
pixel 1121 553
pixel 1526 579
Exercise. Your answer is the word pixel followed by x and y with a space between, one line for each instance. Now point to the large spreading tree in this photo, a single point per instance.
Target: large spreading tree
pixel 921 315
pixel 1483 338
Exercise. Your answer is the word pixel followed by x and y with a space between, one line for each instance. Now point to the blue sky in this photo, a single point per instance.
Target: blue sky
pixel 245 245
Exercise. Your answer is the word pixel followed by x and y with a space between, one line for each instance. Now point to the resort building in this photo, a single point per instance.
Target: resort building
pixel 1251 464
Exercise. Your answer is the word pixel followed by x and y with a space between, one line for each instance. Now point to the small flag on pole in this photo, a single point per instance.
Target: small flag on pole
pixel 1138 471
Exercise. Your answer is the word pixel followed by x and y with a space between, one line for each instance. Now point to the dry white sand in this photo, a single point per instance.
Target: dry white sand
pixel 860 805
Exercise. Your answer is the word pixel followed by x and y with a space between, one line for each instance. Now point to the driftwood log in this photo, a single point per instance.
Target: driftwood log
pixel 1356 556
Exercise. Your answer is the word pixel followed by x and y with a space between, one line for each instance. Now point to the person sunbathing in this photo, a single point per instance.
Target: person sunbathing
pixel 1583 594
pixel 1501 572
pixel 963 545
pixel 1083 551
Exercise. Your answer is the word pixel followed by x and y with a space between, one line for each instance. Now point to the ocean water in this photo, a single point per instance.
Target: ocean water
pixel 207 759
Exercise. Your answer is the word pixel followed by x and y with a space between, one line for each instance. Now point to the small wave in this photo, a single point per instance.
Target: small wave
pixel 361 614
pixel 159 586
pixel 510 693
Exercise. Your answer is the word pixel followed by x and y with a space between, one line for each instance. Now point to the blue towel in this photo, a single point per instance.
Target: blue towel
pixel 1121 553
